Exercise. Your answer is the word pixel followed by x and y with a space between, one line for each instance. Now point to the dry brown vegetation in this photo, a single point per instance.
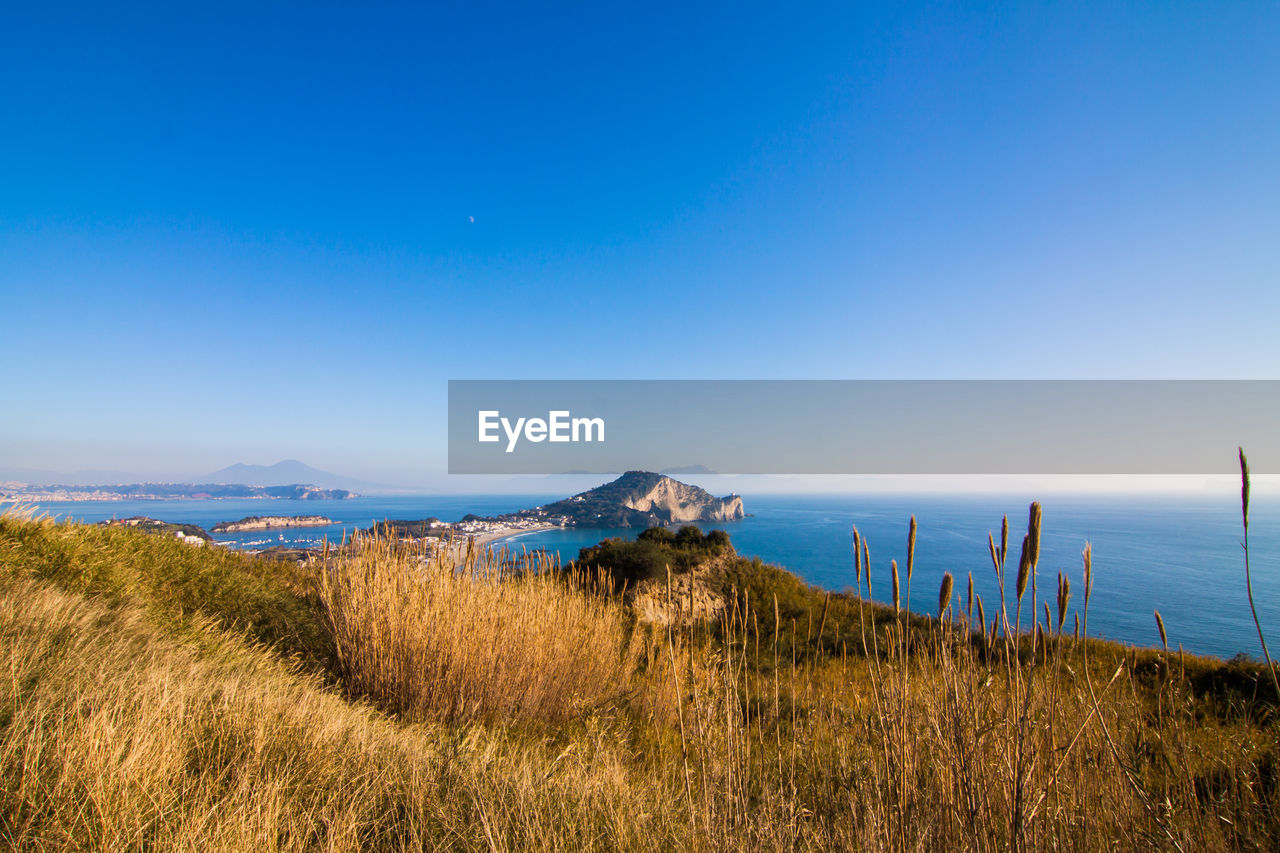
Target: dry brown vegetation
pixel 490 638
pixel 162 697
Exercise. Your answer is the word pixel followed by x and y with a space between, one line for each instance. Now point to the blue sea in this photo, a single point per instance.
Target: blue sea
pixel 1180 555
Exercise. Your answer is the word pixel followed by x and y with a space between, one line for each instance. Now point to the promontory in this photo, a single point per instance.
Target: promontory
pixel 263 522
pixel 640 499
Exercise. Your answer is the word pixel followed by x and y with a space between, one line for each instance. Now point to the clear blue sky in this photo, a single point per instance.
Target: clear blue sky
pixel 238 233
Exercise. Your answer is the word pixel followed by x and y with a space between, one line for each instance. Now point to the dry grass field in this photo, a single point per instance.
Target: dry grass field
pixel 156 696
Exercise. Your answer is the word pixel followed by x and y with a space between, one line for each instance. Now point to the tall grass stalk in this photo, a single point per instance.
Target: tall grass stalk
pixel 1248 575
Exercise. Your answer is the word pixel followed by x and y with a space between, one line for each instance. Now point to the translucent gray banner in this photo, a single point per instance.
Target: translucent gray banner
pixel 862 426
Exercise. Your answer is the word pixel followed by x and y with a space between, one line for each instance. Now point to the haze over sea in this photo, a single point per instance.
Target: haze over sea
pixel 1179 554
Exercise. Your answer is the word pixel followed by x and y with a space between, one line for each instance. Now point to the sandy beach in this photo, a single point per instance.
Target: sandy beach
pixel 488 538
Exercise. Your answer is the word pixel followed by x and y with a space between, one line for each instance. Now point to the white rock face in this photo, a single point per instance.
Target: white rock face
pixel 642 499
pixel 683 502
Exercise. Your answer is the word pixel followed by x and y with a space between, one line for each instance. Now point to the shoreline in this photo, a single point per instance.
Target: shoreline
pixel 485 540
pixel 494 538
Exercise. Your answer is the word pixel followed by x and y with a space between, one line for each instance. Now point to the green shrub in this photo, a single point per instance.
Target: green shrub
pixel 652 552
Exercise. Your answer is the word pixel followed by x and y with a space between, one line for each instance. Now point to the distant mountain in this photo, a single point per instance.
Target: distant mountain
pixel 641 499
pixel 286 473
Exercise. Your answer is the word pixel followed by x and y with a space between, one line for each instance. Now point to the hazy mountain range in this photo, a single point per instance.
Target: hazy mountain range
pixel 285 473
pixel 290 472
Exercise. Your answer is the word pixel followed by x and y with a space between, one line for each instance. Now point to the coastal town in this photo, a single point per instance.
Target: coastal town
pixel 17 491
pixel 433 534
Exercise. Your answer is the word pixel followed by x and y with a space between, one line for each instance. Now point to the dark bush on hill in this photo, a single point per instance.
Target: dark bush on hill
pixel 652 552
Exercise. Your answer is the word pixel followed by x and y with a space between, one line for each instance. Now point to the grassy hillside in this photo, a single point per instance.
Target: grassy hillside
pixel 269 602
pixel 163 697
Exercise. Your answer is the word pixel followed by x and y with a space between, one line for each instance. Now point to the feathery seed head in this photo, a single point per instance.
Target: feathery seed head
pixel 866 564
pixel 1024 566
pixel 1033 533
pixel 1088 571
pixel 857 554
pixel 893 564
pixel 1064 598
pixel 1244 487
pixel 911 548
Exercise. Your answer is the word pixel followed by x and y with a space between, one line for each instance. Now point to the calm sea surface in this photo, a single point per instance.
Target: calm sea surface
pixel 1180 555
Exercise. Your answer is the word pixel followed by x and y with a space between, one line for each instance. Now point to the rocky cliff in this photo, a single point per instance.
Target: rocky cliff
pixel 674 501
pixel 263 522
pixel 643 499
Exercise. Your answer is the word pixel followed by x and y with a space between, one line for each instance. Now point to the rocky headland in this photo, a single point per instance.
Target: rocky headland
pixel 641 499
pixel 264 522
